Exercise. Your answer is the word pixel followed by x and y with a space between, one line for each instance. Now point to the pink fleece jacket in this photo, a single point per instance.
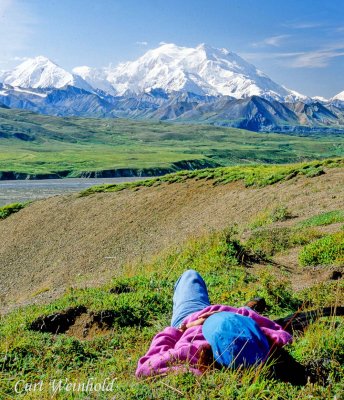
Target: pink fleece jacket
pixel 173 350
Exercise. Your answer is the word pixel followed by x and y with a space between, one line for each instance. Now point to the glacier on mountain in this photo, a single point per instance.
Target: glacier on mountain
pixel 96 78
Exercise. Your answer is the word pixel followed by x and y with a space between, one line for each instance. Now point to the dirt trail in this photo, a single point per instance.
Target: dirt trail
pixel 68 241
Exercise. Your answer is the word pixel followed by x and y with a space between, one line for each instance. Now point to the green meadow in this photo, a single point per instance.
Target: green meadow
pixel 37 144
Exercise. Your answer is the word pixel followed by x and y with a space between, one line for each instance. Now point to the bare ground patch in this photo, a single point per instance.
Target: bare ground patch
pixel 68 241
pixel 81 323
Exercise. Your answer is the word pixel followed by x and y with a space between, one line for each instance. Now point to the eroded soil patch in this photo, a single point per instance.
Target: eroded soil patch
pixel 58 322
pixel 83 324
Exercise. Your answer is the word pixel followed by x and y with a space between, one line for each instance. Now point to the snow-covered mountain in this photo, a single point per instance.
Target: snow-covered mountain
pixel 96 78
pixel 339 96
pixel 203 70
pixel 42 73
pixel 172 83
pixel 320 99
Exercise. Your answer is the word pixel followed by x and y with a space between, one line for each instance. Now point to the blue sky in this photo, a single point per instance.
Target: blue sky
pixel 298 43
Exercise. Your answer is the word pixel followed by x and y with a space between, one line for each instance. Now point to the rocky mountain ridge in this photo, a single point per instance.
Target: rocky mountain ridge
pixel 172 83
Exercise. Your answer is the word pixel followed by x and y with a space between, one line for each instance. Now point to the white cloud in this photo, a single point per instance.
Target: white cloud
pixel 265 55
pixel 142 43
pixel 318 58
pixel 275 41
pixel 304 25
pixel 16 28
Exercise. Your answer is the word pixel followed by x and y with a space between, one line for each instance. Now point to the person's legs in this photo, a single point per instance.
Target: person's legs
pixel 190 295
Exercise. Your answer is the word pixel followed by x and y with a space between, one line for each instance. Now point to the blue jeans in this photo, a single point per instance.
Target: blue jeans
pixel 190 295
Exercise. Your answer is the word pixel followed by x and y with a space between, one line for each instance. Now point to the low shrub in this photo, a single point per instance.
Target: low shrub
pixel 326 218
pixel 325 251
pixel 269 241
pixel 321 349
pixel 323 294
pixel 12 208
pixel 234 250
pixel 313 172
pixel 277 292
pixel 279 213
pixel 304 236
pixel 253 175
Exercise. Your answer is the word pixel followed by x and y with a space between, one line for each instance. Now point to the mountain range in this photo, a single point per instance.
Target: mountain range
pixel 172 83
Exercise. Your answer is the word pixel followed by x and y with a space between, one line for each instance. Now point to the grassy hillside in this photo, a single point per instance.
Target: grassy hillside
pixel 95 274
pixel 103 331
pixel 79 239
pixel 35 144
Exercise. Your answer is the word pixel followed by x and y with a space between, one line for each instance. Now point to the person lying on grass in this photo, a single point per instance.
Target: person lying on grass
pixel 202 334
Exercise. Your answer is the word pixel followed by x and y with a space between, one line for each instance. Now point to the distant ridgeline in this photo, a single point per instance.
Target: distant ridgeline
pixel 173 83
pixel 252 113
